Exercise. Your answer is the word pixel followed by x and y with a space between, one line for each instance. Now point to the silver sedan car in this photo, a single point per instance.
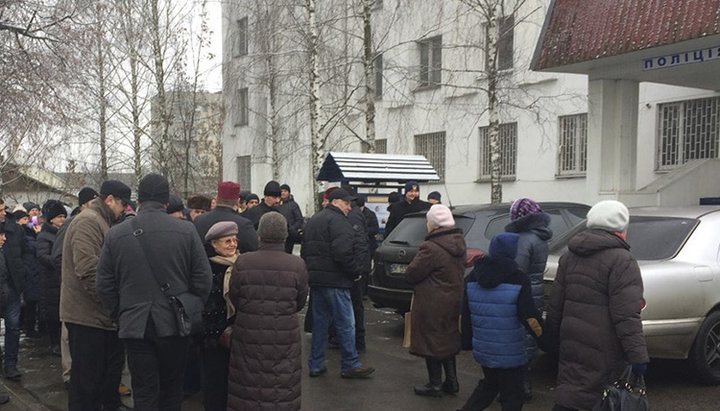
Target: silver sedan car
pixel 678 251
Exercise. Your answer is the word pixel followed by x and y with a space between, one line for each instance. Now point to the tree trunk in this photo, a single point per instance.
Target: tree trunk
pixel 102 100
pixel 493 115
pixel 316 133
pixel 368 66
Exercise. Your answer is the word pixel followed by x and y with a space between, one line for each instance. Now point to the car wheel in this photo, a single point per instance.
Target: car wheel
pixel 705 354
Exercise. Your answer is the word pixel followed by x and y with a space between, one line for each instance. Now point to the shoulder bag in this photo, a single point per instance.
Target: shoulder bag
pixel 186 306
pixel 627 393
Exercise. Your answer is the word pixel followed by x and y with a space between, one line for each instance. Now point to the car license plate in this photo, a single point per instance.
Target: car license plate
pixel 398 268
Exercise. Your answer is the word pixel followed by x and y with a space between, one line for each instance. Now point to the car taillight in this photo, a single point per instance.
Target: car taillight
pixel 642 304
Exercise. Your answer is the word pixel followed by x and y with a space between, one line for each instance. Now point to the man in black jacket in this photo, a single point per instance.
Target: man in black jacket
pixel 143 262
pixel 270 201
pixel 291 210
pixel 411 204
pixel 226 210
pixel 17 253
pixel 329 253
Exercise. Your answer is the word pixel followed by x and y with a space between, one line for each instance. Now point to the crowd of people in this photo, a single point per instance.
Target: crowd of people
pixel 209 290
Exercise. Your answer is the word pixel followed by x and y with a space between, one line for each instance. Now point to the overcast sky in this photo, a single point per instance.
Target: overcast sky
pixel 211 68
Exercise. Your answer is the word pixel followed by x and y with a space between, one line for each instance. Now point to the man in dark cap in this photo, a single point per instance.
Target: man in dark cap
pixel 411 204
pixel 228 194
pixel 291 211
pixel 269 203
pixel 434 198
pixel 329 253
pixel 197 204
pixel 143 263
pixel 94 345
pixel 16 252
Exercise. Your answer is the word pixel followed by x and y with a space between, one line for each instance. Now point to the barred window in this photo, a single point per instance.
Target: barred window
pixel 688 130
pixel 432 146
pixel 242 105
pixel 242 37
pixel 244 170
pixel 378 68
pixel 508 151
pixel 381 146
pixel 430 61
pixel 572 147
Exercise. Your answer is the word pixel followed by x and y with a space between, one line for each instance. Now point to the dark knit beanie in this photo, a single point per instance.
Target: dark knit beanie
pixel 52 209
pixel 30 205
pixel 272 189
pixel 251 197
pixel 154 187
pixel 285 187
pixel 412 186
pixel 504 245
pixel 175 204
pixel 272 228
pixel 117 189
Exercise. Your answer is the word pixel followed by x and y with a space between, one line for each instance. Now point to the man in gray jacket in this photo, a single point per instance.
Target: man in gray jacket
pixel 143 261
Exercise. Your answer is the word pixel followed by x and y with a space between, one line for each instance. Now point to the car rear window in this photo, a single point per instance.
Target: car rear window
pixel 658 238
pixel 413 230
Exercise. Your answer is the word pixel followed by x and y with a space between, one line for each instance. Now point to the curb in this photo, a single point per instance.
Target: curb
pixel 20 398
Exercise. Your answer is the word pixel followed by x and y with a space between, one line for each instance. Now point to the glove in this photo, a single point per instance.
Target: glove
pixel 639 369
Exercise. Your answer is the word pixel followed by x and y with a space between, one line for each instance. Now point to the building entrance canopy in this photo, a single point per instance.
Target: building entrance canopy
pixel 376 169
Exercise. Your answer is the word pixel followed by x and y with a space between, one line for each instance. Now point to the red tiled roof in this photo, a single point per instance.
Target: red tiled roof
pixel 582 30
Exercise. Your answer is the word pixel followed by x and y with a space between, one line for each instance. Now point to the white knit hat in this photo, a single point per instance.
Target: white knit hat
pixel 608 215
pixel 439 216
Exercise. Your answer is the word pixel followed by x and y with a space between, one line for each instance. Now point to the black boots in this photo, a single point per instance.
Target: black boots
pixel 432 388
pixel 436 386
pixel 450 386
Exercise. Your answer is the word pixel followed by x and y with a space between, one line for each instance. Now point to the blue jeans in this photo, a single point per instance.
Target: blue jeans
pixel 332 304
pixel 12 327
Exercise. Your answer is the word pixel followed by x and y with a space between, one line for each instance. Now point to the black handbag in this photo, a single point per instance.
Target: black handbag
pixel 627 393
pixel 186 306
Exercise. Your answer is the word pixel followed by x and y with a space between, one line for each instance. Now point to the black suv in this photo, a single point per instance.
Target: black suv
pixel 388 284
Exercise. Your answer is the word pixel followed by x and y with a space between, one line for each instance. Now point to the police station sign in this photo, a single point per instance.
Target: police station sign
pixel 680 59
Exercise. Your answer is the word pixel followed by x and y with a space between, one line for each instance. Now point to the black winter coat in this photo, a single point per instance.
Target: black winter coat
pixel 399 210
pixel 127 287
pixel 328 249
pixel 255 213
pixel 247 237
pixel 362 252
pixel 533 251
pixel 17 254
pixel 3 282
pixel 50 302
pixel 594 316
pixel 215 311
pixel 372 228
pixel 33 281
pixel 291 210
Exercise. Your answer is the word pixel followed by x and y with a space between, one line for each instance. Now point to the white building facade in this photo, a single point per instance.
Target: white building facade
pixel 431 100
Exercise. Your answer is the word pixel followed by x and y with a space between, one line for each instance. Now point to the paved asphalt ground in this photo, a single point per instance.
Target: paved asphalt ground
pixel 669 386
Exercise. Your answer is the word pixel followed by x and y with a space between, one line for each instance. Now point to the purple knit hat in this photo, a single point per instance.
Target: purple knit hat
pixel 522 207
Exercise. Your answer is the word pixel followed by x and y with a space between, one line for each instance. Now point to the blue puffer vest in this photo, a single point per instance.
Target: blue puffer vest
pixel 498 335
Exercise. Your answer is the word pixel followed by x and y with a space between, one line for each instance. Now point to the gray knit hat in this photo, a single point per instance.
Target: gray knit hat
pixel 272 228
pixel 221 229
pixel 608 215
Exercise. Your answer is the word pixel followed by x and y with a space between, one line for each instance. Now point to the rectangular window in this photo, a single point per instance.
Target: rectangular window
pixel 572 145
pixel 378 68
pixel 430 61
pixel 244 170
pixel 508 151
pixel 432 146
pixel 242 104
pixel 242 37
pixel 505 43
pixel 688 130
pixel 381 145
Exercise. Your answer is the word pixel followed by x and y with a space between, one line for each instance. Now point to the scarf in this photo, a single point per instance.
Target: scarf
pixel 228 261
